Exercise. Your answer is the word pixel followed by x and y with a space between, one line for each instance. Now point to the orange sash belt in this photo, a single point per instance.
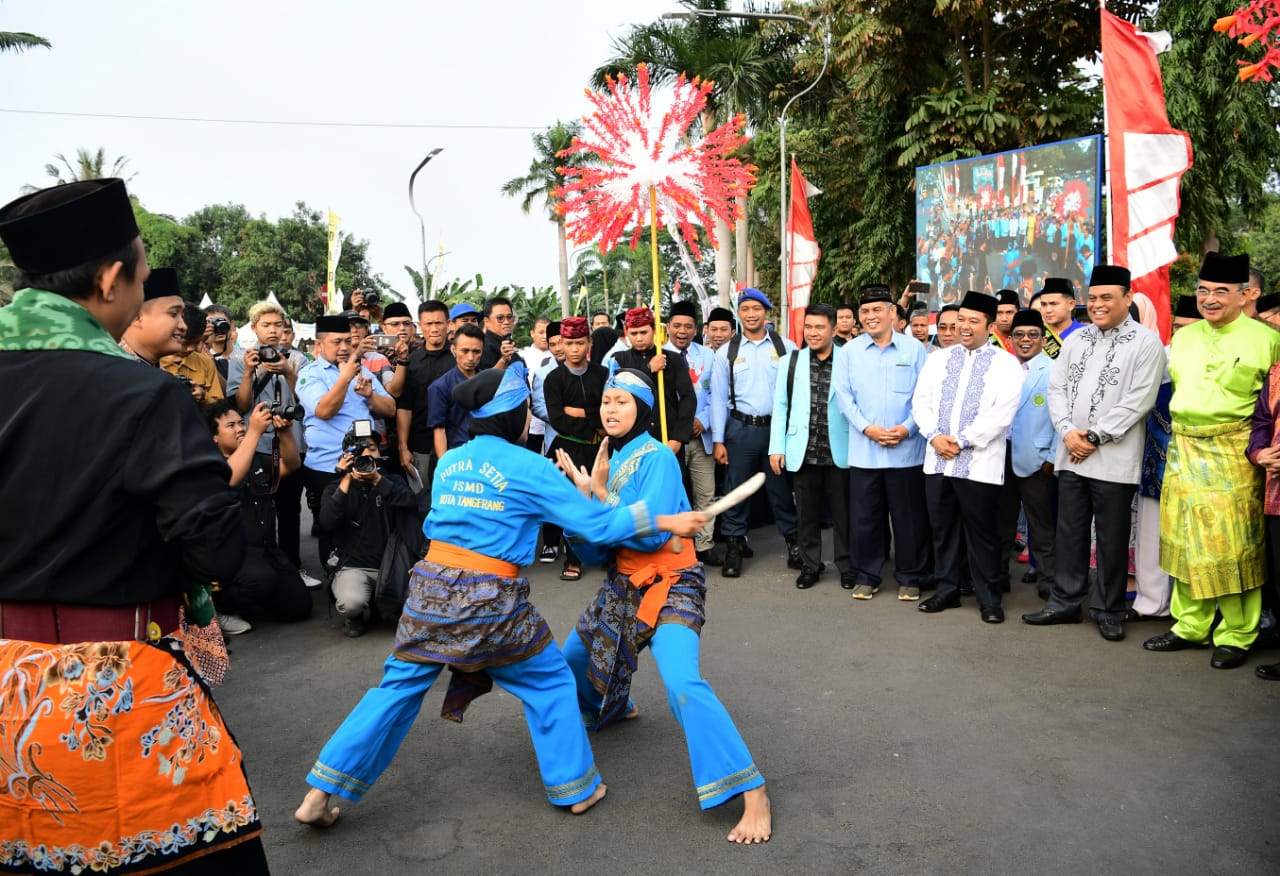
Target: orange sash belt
pixel 655 572
pixel 445 554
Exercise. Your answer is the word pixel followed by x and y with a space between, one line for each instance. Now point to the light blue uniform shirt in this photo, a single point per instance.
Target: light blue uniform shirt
pixel 235 376
pixel 702 362
pixel 1032 435
pixel 538 402
pixel 324 437
pixel 754 373
pixel 874 388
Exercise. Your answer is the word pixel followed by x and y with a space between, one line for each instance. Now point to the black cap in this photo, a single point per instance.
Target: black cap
pixel 69 225
pixel 722 314
pixel 1109 275
pixel 353 316
pixel 1028 317
pixel 396 309
pixel 1187 309
pixel 163 283
pixel 980 302
pixel 333 323
pixel 1006 297
pixel 873 293
pixel 1268 302
pixel 1058 286
pixel 1218 268
pixel 684 308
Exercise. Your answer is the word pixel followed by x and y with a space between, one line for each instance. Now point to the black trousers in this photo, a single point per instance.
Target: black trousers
pixel 817 488
pixel 963 511
pixel 267 585
pixel 315 482
pixel 878 496
pixel 1038 496
pixel 1107 506
pixel 288 503
pixel 583 456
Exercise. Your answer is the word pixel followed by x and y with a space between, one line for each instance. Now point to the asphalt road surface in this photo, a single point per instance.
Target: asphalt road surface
pixel 892 742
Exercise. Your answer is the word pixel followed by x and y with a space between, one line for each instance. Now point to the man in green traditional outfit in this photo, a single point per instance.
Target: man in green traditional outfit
pixel 1211 521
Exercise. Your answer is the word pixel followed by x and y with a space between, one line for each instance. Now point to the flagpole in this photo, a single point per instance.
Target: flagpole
pixel 1106 141
pixel 659 333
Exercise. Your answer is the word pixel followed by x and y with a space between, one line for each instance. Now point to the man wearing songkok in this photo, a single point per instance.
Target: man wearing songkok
pixel 719 328
pixel 571 392
pixel 1268 309
pixel 1264 451
pixel 468 607
pixel 106 527
pixel 1057 305
pixel 874 384
pixel 654 596
pixel 159 329
pixel 1211 512
pixel 741 404
pixel 964 404
pixel 1185 313
pixel 1006 306
pixel 677 388
pixel 699 361
pixel 1028 472
pixel 809 437
pixel 1101 389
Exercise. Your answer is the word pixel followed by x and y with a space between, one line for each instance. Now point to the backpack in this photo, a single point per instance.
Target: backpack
pixel 734 343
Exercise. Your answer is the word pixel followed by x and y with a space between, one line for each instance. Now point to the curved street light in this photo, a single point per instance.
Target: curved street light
pixel 422 224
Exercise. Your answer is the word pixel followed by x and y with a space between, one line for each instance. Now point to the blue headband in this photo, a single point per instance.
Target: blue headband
pixel 632 384
pixel 512 392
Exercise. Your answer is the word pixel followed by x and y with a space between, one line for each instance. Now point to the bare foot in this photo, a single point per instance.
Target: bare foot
pixel 756 825
pixel 632 713
pixel 315 811
pixel 596 797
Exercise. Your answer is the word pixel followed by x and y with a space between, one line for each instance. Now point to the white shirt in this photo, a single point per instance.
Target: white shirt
pixel 971 395
pixel 534 359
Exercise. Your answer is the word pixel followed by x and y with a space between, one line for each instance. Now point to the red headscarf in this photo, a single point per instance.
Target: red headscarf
pixel 638 317
pixel 574 327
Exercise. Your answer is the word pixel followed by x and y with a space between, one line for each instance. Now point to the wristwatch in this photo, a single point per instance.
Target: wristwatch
pixel 1093 438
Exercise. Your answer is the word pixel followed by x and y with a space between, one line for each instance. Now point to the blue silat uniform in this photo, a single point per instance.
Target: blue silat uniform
pixel 488 497
pixel 602 651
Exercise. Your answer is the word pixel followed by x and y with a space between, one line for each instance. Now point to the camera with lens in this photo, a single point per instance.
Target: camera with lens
pixel 357 441
pixel 221 326
pixel 268 353
pixel 287 412
pixel 365 464
pixel 371 298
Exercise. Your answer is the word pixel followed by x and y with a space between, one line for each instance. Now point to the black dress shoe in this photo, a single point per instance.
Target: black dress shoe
pixel 794 560
pixel 1112 631
pixel 993 614
pixel 965 589
pixel 1228 657
pixel 806 579
pixel 1270 672
pixel 1031 576
pixel 1170 642
pixel 732 567
pixel 710 557
pixel 747 552
pixel 848 580
pixel 1048 616
pixel 937 603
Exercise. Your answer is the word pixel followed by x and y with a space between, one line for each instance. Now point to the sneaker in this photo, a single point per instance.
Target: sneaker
pixel 353 628
pixel 909 594
pixel 233 624
pixel 310 582
pixel 865 591
pixel 548 554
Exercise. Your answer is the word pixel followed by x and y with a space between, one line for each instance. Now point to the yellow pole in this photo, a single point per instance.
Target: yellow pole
pixel 659 331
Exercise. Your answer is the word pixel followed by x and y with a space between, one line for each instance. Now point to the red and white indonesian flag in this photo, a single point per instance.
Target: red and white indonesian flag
pixel 1146 158
pixel 803 252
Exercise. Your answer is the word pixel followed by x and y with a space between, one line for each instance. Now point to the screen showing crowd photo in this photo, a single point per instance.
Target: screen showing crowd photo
pixel 1007 221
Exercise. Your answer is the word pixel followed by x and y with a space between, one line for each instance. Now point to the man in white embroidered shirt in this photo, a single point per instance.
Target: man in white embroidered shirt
pixel 1102 386
pixel 964 404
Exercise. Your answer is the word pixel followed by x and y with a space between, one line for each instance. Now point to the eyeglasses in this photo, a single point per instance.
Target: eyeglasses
pixel 1215 293
pixel 398 323
pixel 510 317
pixel 1032 335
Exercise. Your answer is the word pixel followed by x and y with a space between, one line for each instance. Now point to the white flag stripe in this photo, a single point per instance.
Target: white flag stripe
pixel 1151 206
pixel 1153 251
pixel 1152 157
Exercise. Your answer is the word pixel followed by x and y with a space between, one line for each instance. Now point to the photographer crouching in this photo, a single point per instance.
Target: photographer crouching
pixel 360 509
pixel 268 583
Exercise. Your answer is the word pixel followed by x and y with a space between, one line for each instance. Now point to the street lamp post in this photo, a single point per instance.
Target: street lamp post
pixel 784 260
pixel 421 223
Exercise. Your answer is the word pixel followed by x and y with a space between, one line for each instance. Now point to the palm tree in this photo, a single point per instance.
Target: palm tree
pixel 541 181
pixel 86 166
pixel 20 42
pixel 744 65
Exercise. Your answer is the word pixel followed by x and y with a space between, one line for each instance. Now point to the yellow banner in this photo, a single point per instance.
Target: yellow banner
pixel 335 252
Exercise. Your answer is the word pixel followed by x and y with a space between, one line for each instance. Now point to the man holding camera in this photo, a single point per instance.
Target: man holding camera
pixel 356 509
pixel 335 391
pixel 222 337
pixel 268 583
pixel 264 375
pixel 499 325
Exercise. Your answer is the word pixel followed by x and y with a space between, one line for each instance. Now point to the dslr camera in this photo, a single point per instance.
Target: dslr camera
pixel 221 326
pixel 288 412
pixel 357 441
pixel 371 298
pixel 268 353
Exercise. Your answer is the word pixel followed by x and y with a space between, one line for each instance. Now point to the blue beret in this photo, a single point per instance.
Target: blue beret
pixel 750 294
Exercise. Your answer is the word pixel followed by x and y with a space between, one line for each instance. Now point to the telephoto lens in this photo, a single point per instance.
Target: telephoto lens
pixel 365 464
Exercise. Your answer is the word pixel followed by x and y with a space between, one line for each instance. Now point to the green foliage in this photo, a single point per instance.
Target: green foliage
pixel 16 42
pixel 87 165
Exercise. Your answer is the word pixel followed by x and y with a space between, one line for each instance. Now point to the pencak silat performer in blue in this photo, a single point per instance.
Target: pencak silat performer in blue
pixel 655 596
pixel 468 608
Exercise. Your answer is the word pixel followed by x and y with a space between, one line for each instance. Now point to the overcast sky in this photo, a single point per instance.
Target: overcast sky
pixel 515 65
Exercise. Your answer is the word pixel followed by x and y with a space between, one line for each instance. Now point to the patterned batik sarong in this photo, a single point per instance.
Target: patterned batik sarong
pixel 1211 524
pixel 115 759
pixel 469 621
pixel 614 636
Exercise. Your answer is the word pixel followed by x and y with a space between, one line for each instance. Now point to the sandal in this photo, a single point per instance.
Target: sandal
pixel 570 573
